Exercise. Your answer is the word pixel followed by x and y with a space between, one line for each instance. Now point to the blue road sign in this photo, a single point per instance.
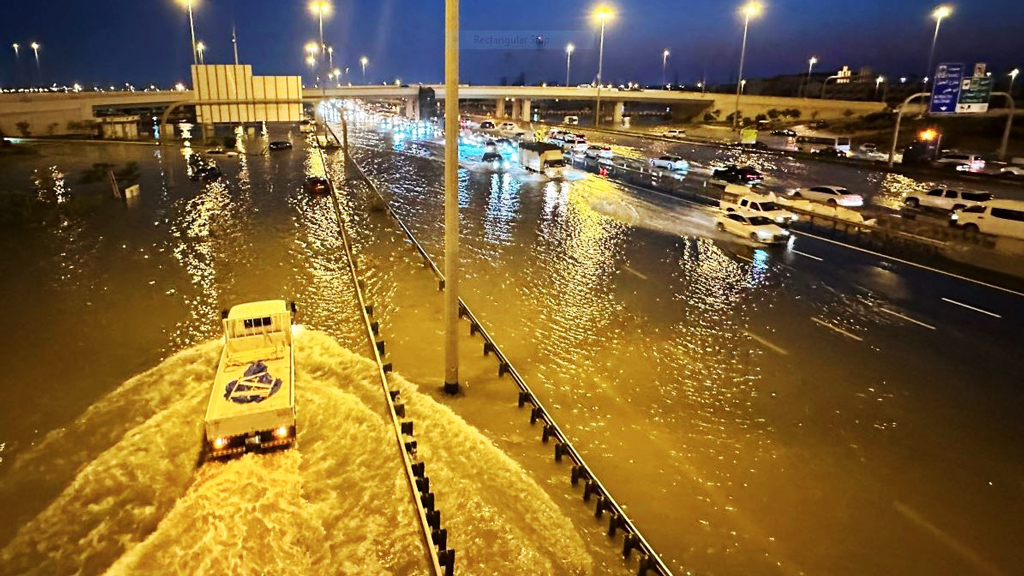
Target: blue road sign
pixel 946 88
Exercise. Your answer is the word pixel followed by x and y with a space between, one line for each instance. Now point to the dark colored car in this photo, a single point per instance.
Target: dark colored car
pixel 208 173
pixel 831 152
pixel 317 185
pixel 280 145
pixel 744 175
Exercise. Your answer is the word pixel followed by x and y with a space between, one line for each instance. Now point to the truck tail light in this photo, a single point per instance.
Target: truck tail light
pixel 219 443
pixel 281 432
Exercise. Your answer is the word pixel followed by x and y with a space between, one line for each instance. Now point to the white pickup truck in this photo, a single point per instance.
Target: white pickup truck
pixel 252 406
pixel 736 198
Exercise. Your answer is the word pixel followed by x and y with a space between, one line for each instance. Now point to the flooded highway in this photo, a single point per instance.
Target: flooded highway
pixel 803 409
pixel 112 343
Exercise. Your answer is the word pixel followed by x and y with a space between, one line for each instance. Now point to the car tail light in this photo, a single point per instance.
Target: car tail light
pixel 219 443
pixel 281 432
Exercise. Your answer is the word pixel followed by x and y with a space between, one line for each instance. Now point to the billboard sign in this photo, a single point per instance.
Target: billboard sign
pixel 946 88
pixel 975 94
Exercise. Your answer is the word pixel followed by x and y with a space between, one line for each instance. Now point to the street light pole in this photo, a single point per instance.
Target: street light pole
pixel 807 83
pixel 1013 76
pixel 363 62
pixel 451 197
pixel 749 10
pixel 878 82
pixel 330 56
pixel 192 29
pixel 664 64
pixel 602 14
pixel 234 43
pixel 201 49
pixel 568 61
pixel 939 13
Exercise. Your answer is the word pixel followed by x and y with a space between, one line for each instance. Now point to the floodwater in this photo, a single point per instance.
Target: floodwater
pixel 111 340
pixel 758 411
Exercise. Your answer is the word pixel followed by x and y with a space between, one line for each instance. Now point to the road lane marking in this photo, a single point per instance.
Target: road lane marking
pixel 634 272
pixel 969 307
pixel 766 343
pixel 949 541
pixel 914 264
pixel 907 318
pixel 745 258
pixel 807 255
pixel 837 329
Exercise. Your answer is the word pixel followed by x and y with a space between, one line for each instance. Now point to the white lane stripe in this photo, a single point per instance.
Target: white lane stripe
pixel 914 264
pixel 745 258
pixel 907 318
pixel 766 343
pixel 807 255
pixel 969 307
pixel 634 272
pixel 837 329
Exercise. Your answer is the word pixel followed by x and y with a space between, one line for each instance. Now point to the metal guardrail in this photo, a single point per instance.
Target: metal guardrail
pixel 593 489
pixel 440 557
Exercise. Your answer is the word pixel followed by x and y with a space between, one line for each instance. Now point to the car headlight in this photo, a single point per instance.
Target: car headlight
pixel 765 235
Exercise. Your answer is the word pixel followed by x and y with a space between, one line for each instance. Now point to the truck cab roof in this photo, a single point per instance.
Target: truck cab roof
pixel 257 309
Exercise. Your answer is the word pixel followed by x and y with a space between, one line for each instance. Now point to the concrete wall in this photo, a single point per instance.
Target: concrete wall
pixel 53 111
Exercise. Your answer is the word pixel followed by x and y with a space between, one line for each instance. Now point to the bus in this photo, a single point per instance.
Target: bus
pixel 814 144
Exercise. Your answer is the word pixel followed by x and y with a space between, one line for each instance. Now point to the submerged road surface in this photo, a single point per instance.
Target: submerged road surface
pixel 803 409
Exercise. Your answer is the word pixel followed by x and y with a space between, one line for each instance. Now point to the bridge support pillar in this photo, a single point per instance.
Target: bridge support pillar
pixel 517 108
pixel 526 111
pixel 617 111
pixel 499 108
pixel 412 109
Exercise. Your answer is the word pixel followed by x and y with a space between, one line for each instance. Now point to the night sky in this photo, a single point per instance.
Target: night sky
pixel 147 41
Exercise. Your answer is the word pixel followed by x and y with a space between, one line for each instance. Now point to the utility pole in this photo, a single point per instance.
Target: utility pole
pixel 234 43
pixel 451 197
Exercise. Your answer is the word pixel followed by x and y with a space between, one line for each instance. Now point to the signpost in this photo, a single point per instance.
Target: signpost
pixel 946 88
pixel 974 95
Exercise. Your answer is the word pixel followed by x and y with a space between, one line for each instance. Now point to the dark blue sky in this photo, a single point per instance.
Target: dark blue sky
pixel 146 41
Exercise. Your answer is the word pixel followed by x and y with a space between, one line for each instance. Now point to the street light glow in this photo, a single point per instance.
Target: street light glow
pixel 34 46
pixel 568 48
pixel 813 60
pixel 320 7
pixel 186 3
pixel 603 14
pixel 665 53
pixel 311 47
pixel 880 79
pixel 1014 72
pixel 364 60
pixel 941 12
pixel 751 9
pixel 310 60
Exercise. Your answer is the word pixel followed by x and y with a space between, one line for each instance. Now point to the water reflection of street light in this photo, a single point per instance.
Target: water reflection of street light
pixel 750 10
pixel 363 62
pixel 939 14
pixel 603 15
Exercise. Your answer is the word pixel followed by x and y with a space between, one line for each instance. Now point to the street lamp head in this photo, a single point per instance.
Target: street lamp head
pixel 569 48
pixel 312 48
pixel 880 79
pixel 35 46
pixel 665 53
pixel 813 60
pixel 603 14
pixel 186 3
pixel 330 50
pixel 320 7
pixel 1014 72
pixel 751 9
pixel 16 46
pixel 363 60
pixel 310 60
pixel 941 12
pixel 336 72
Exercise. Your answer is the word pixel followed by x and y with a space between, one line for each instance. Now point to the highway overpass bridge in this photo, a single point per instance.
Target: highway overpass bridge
pixel 54 113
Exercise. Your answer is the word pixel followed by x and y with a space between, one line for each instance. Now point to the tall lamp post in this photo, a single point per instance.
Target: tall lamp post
pixel 16 46
pixel 201 49
pixel 939 14
pixel 568 61
pixel 749 11
pixel 320 8
pixel 807 83
pixel 1013 76
pixel 451 196
pixel 363 62
pixel 603 15
pixel 330 56
pixel 664 64
pixel 878 82
pixel 192 28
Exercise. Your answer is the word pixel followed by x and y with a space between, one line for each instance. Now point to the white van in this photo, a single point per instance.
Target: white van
pixel 996 217
pixel 736 198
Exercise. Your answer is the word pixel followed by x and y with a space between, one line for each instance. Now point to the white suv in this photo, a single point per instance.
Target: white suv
pixel 741 199
pixel 674 133
pixel 998 217
pixel 946 199
pixel 963 162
